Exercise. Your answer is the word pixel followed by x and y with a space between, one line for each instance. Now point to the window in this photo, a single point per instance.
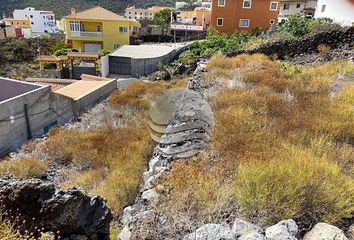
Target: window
pixel 323 8
pixel 247 3
pixel 31 16
pixel 220 22
pixel 75 26
pixel 298 5
pixel 273 6
pixel 286 6
pixel 244 23
pixel 123 29
pixel 221 3
pixel 272 21
pixel 98 28
pixel 32 23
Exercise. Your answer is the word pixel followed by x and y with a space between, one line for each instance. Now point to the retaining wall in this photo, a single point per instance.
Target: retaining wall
pixel 306 45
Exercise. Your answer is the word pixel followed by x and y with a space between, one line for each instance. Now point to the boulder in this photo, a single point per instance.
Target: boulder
pixel 212 232
pixel 46 206
pixel 242 228
pixel 284 230
pixel 324 231
pixel 252 236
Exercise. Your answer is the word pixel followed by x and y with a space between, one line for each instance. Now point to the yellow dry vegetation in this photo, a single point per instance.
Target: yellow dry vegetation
pixel 23 168
pixel 283 147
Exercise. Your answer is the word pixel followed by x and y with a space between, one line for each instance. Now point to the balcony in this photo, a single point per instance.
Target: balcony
pixel 87 34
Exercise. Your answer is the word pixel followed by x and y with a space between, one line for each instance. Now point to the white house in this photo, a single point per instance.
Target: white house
pixel 341 11
pixel 41 21
pixel 289 7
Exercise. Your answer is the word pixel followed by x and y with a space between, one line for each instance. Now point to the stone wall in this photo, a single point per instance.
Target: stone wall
pixel 343 38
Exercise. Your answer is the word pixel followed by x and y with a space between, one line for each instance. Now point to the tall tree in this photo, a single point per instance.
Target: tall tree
pixel 163 19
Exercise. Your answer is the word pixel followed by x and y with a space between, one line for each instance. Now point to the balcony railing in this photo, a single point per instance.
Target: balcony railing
pixel 87 34
pixel 190 27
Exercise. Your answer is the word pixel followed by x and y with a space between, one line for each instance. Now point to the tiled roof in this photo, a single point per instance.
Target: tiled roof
pixel 96 13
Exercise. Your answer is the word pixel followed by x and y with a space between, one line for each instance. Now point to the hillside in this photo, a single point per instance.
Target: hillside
pixel 62 7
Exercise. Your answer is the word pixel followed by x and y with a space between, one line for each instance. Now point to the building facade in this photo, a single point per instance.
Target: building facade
pixel 7 32
pixel 341 11
pixel 40 21
pixel 289 7
pixel 23 26
pixel 140 13
pixel 229 16
pixel 197 20
pixel 97 28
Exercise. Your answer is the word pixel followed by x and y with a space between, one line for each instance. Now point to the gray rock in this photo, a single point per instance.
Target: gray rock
pixel 125 234
pixel 127 216
pixel 212 232
pixel 243 228
pixel 324 231
pixel 252 236
pixel 150 197
pixel 284 230
pixel 44 205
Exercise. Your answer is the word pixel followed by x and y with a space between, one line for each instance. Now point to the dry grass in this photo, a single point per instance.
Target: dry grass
pixel 285 159
pixel 23 168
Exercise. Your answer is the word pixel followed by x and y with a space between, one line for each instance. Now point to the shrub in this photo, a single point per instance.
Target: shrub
pixel 294 185
pixel 297 25
pixel 104 52
pixel 323 48
pixel 24 167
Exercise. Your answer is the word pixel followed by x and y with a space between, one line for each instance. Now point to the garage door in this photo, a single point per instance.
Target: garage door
pixel 92 47
pixel 120 65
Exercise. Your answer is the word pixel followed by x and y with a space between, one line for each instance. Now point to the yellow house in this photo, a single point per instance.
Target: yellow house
pixel 97 28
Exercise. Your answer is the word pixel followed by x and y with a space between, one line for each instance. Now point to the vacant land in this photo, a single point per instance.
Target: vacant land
pixel 282 147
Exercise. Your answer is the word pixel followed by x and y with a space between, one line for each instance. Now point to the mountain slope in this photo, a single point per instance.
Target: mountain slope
pixel 62 7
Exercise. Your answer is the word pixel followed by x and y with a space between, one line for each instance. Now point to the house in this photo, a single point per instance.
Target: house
pixel 22 26
pixel 289 7
pixel 140 13
pixel 228 16
pixel 97 28
pixel 40 21
pixel 197 20
pixel 341 11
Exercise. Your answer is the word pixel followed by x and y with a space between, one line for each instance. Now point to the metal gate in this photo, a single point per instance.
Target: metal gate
pixel 120 65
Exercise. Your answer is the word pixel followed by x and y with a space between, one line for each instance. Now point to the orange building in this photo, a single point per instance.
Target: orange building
pixel 229 16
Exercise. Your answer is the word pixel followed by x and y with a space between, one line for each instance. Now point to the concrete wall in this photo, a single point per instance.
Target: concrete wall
pixel 44 108
pixel 86 102
pixel 105 66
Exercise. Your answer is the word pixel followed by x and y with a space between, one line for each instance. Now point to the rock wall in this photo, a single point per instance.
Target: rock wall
pixel 188 132
pixel 36 204
pixel 283 50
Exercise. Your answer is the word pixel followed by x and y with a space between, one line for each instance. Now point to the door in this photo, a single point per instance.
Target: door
pixel 120 65
pixel 92 47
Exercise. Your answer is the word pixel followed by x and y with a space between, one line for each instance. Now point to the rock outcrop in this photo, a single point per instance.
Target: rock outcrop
pixel 43 205
pixel 324 231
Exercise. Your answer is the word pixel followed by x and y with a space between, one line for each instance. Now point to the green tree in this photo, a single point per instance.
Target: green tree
pixel 297 25
pixel 163 19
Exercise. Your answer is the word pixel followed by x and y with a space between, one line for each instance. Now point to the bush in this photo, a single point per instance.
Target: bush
pixel 23 168
pixel 297 25
pixel 294 185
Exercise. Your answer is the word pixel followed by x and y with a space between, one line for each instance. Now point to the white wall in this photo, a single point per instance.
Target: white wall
pixel 292 8
pixel 341 11
pixel 41 21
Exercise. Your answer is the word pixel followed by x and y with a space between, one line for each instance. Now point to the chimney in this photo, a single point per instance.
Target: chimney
pixel 72 11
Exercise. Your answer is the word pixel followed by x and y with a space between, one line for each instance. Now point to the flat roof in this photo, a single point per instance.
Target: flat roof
pixel 143 51
pixel 81 88
pixel 10 88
